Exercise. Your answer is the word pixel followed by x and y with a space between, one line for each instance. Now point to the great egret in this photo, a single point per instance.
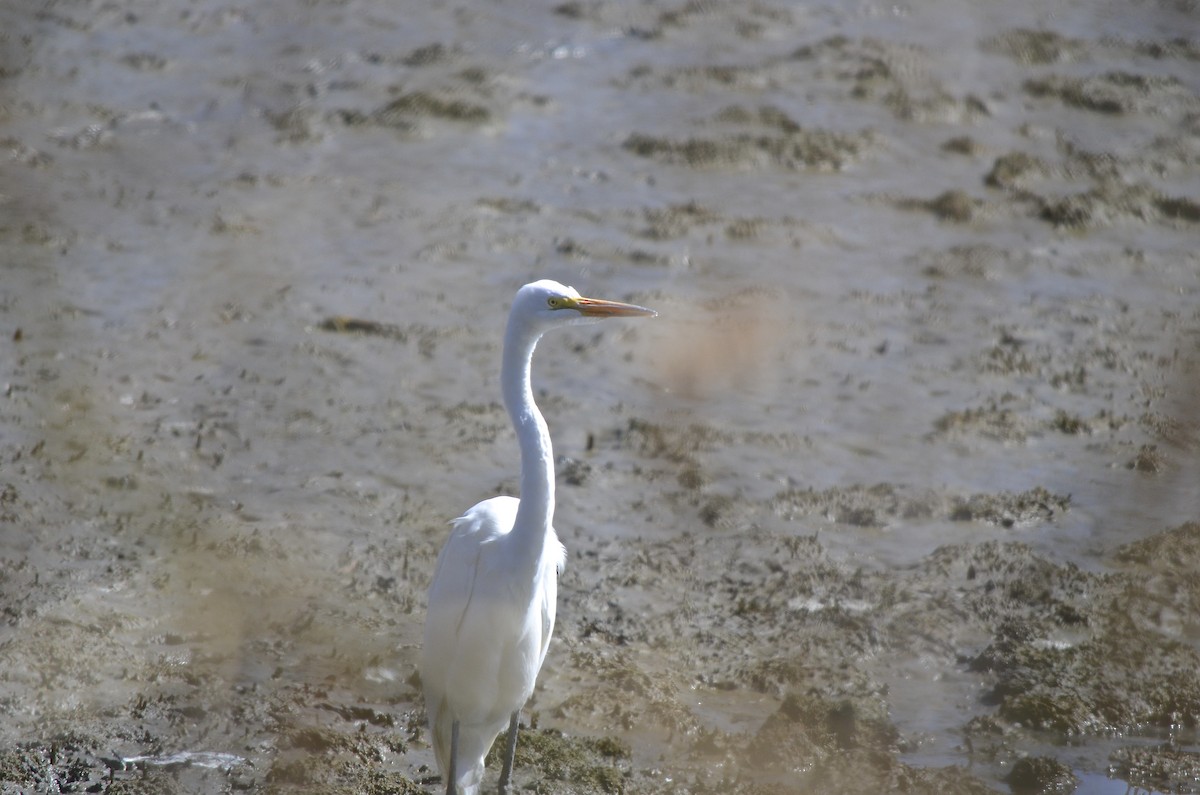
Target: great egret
pixel 492 599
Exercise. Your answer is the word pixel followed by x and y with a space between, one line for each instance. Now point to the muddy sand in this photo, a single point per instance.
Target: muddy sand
pixel 898 493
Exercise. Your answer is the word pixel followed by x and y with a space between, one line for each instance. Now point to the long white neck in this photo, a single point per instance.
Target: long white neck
pixel 536 510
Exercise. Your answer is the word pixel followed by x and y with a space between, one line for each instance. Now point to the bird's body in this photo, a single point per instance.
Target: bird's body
pixel 482 678
pixel 493 596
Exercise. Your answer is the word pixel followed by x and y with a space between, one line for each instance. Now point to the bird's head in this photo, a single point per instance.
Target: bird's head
pixel 547 304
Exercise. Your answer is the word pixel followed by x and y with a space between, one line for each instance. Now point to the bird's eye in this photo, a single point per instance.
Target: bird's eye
pixel 554 302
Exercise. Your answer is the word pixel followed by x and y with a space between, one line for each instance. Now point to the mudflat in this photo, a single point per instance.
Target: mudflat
pixel 898 493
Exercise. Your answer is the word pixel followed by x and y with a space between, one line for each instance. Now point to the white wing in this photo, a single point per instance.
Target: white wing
pixel 486 634
pixel 443 672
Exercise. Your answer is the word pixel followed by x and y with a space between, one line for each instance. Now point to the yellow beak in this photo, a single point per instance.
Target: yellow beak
pixel 597 307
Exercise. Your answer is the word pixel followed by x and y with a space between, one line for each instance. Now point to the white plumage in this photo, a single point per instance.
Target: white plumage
pixel 492 599
pixel 489 630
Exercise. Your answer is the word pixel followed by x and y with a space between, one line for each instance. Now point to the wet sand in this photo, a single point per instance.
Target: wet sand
pixel 899 492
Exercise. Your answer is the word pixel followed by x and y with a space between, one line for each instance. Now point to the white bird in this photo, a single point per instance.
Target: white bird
pixel 492 599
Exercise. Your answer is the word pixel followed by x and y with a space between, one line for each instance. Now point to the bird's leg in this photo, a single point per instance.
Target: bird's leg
pixel 510 752
pixel 452 773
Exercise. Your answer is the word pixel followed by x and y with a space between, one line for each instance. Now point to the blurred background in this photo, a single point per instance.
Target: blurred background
pixel 913 437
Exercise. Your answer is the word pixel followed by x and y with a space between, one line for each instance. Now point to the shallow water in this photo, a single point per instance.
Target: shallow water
pixel 192 189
